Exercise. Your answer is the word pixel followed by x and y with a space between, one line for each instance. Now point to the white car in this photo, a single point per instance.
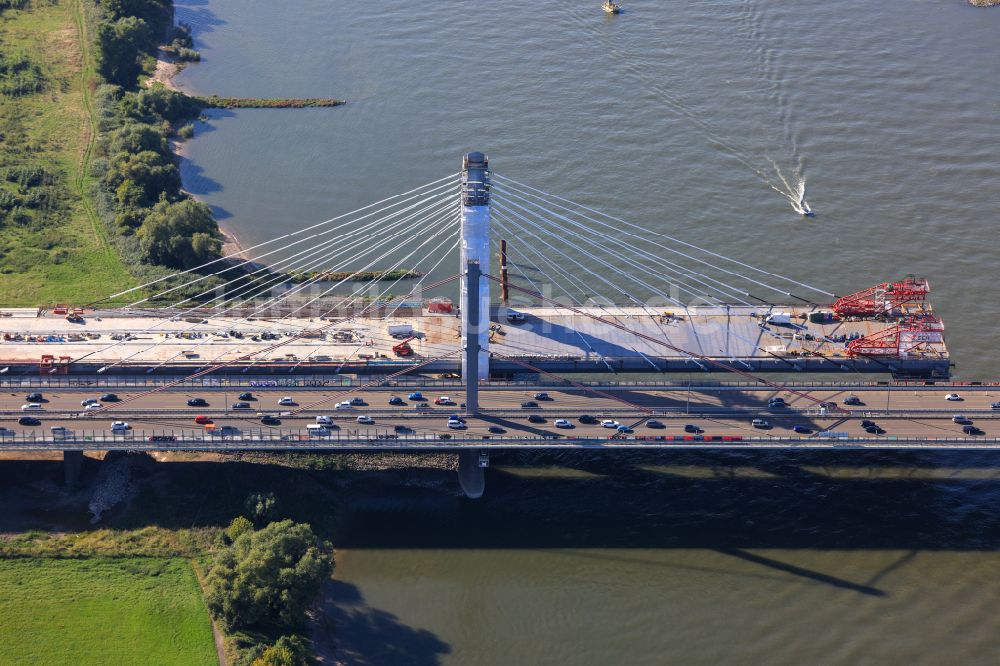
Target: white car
pixel 343 405
pixel 760 423
pixel 366 420
pixel 287 400
pixel 609 423
pixel 954 397
pixel 324 420
pixel 89 401
pixel 456 425
pixel 562 423
pixel 120 425
pixel 958 418
pixel 92 406
pixel 31 407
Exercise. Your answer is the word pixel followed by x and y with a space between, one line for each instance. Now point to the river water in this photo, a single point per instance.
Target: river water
pixel 699 119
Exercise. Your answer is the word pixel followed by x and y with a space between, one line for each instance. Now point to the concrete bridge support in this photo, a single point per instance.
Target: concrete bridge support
pixel 72 464
pixel 471 477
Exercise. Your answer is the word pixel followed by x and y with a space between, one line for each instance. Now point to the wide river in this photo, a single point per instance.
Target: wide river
pixel 699 119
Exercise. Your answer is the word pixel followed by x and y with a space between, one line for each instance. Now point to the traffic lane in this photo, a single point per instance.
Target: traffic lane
pixel 518 425
pixel 696 400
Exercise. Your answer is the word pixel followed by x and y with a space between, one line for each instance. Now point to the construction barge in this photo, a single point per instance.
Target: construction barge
pixel 889 329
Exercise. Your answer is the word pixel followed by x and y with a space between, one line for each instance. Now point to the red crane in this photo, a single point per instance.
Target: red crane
pixel 883 300
pixel 404 348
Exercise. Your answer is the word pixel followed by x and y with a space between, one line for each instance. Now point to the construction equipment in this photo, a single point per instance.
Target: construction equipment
pixel 916 335
pixel 404 348
pixel 883 300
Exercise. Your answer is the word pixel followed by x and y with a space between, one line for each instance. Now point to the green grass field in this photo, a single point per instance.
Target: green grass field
pixel 64 256
pixel 102 611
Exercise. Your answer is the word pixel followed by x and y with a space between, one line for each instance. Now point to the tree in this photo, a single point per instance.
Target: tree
pixel 262 507
pixel 180 235
pixel 268 578
pixel 287 651
pixel 136 138
pixel 238 526
pixel 120 44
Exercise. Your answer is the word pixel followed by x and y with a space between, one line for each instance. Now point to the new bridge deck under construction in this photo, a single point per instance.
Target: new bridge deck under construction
pixel 549 338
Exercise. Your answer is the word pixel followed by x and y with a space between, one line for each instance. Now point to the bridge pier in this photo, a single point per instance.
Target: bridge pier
pixel 471 476
pixel 72 463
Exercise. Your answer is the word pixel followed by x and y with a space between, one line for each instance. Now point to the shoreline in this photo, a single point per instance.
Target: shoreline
pixel 166 69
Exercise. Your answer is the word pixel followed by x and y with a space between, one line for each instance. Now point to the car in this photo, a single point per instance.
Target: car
pixel 874 430
pixel 230 430
pixel 396 400
pixel 197 402
pixel 624 429
pixel 6 432
pixel 535 418
pixel 456 417
pixel 953 397
pixel 542 396
pixel 760 423
pixel 324 420
pixel 802 430
pixel 562 423
pixel 89 401
pixel 496 430
pixel 286 400
pixel 421 405
pixel 958 418
pixel 995 405
pixel 202 420
pixel 456 425
pixel 28 421
pixel 120 426
pixel 31 407
pixel 357 401
pixel 241 405
pixel 971 430
pixel 270 420
pixel 246 396
pixel 776 402
pixel 343 405
pixel 161 438
pixel 60 431
pixel 444 435
pixel 402 428
pixel 653 423
pixel 92 406
pixel 515 317
pixel 587 419
pixel 529 404
pixel 33 397
pixel 416 395
pixel 109 397
pixel 867 423
pixel 609 423
pixel 853 400
pixel 365 420
pixel 443 400
pixel 691 428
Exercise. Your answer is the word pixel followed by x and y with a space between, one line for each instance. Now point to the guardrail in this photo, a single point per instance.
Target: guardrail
pixel 342 381
pixel 163 440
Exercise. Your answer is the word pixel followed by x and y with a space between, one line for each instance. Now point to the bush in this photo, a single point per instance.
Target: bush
pixel 268 578
pixel 287 651
pixel 238 526
pixel 186 132
pixel 262 507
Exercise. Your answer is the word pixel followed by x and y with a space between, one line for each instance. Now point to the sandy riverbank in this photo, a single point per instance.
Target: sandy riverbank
pixel 166 69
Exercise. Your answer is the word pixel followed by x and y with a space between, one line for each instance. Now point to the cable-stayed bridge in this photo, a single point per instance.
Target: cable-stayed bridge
pixel 497 287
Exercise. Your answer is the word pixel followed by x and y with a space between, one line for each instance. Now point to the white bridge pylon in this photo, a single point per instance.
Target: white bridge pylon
pixel 475 240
